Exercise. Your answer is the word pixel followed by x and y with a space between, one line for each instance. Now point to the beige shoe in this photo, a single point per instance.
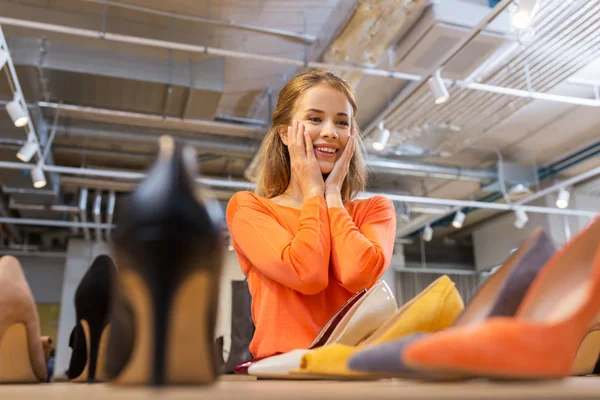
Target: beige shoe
pixel 21 353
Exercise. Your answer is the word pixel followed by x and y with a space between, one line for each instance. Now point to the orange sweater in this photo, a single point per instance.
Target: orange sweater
pixel 304 264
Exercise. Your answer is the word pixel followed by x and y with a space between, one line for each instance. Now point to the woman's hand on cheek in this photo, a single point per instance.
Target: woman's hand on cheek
pixel 335 180
pixel 303 162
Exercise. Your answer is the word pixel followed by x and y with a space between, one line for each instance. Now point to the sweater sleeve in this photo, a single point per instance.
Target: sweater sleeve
pixel 300 261
pixel 361 254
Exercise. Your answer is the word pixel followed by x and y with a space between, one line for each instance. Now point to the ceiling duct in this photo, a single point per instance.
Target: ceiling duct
pixel 440 28
pixel 370 32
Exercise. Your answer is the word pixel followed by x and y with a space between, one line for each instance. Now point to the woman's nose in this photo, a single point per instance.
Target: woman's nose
pixel 329 131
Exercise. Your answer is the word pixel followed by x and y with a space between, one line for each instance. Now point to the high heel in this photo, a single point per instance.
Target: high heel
pixel 500 295
pixel 362 315
pixel 322 338
pixel 89 337
pixel 169 249
pixel 21 352
pixel 587 360
pixel 542 340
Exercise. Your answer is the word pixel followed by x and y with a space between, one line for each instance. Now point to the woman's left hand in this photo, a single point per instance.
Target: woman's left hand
pixel 335 180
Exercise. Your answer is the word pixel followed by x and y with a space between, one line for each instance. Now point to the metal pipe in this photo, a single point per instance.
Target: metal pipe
pixel 52 134
pixel 377 164
pixel 223 183
pixel 75 229
pixel 96 212
pixel 54 223
pixel 398 167
pixel 31 134
pixel 41 207
pixel 98 184
pixel 479 204
pixel 250 56
pixel 240 120
pixel 226 146
pixel 83 195
pixel 301 37
pixel 424 220
pixel 566 183
pixel 110 212
pixel 37 192
pixel 208 126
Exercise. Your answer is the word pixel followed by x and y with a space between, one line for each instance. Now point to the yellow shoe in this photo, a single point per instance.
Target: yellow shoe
pixel 433 309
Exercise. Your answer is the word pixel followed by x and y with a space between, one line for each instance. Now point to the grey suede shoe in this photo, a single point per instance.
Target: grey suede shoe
pixel 499 296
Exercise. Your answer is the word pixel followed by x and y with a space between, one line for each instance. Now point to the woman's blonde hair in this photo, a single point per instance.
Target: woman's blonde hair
pixel 274 171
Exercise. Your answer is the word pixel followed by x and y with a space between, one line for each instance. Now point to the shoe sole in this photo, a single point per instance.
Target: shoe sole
pixel 188 352
pixel 15 364
pixel 101 361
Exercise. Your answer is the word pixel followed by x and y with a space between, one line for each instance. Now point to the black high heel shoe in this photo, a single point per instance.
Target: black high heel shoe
pixel 169 249
pixel 90 336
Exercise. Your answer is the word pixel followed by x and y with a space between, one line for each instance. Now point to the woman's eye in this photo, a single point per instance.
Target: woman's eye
pixel 343 123
pixel 315 119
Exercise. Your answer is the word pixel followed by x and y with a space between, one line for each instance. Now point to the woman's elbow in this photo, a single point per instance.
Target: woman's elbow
pixel 364 277
pixel 314 284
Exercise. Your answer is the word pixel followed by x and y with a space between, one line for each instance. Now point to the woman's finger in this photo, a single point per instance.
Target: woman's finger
pixel 301 139
pixel 310 153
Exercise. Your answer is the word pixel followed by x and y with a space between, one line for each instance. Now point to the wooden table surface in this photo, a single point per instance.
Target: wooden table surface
pixel 238 388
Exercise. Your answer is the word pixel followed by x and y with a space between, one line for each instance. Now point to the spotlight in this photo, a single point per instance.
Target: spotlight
pixel 27 151
pixel 563 198
pixel 3 57
pixel 381 138
pixel 524 14
pixel 521 220
pixel 459 219
pixel 427 234
pixel 438 88
pixel 38 178
pixel 17 113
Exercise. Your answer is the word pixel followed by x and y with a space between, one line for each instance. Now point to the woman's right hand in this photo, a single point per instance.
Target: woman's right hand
pixel 303 162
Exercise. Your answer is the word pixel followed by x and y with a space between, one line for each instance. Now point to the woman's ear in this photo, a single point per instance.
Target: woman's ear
pixel 283 134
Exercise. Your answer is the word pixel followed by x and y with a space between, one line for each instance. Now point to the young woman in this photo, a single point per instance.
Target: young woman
pixel 302 240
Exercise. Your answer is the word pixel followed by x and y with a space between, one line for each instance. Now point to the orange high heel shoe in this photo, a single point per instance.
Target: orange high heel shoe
pixel 21 352
pixel 544 337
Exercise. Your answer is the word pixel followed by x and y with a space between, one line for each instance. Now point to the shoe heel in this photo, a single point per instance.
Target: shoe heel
pixel 94 340
pixel 14 355
pixel 174 325
pixel 588 355
pixel 92 305
pixel 170 251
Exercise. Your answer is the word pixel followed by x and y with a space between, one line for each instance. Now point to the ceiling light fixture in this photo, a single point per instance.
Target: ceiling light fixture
pixel 27 150
pixel 562 201
pixel 438 88
pixel 427 234
pixel 17 112
pixel 381 138
pixel 38 178
pixel 521 220
pixel 524 13
pixel 459 219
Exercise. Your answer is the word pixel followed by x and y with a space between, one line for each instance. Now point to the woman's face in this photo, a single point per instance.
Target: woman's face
pixel 326 115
